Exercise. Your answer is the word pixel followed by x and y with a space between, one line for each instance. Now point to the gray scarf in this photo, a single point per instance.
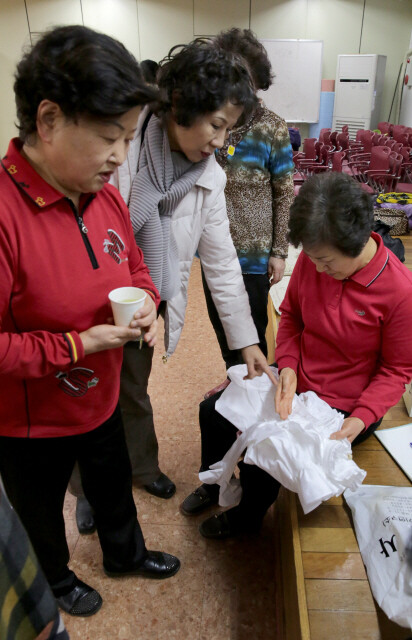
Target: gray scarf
pixel 159 186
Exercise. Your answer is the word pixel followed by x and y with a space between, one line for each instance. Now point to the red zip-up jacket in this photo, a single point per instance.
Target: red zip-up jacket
pixel 57 266
pixel 350 340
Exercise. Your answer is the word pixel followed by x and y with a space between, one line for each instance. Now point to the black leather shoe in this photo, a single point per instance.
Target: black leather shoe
pixel 217 527
pixel 220 527
pixel 199 500
pixel 84 517
pixel 158 565
pixel 82 600
pixel 162 487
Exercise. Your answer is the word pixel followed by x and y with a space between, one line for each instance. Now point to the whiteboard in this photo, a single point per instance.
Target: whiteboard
pixel 295 92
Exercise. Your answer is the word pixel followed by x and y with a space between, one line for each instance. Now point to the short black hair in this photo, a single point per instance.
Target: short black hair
pixel 245 43
pixel 199 78
pixel 331 209
pixel 149 69
pixel 85 72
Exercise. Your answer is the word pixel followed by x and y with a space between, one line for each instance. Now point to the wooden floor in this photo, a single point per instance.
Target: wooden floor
pixel 326 593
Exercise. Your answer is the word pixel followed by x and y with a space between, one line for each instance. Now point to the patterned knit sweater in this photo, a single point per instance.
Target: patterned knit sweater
pixel 259 189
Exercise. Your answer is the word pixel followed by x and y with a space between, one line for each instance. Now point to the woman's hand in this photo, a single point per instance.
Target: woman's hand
pixel 107 336
pixel 285 392
pixel 256 363
pixel 351 428
pixel 146 318
pixel 276 269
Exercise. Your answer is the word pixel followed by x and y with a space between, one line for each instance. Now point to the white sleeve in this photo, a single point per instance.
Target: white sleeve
pixel 224 277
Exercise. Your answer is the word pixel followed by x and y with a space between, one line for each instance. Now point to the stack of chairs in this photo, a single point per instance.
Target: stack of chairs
pixel 380 160
pixel 327 153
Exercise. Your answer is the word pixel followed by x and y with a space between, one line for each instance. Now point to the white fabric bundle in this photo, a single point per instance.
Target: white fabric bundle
pixel 297 452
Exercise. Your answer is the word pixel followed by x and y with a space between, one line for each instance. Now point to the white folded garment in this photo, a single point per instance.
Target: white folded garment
pixel 297 452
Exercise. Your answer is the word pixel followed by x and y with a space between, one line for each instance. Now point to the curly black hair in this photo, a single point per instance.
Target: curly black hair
pixel 149 69
pixel 200 78
pixel 245 43
pixel 85 72
pixel 331 209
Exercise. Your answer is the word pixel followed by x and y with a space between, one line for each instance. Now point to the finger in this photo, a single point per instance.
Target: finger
pixel 141 322
pixel 284 409
pixel 142 314
pixel 278 396
pixel 132 335
pixel 337 435
pixel 152 341
pixel 270 374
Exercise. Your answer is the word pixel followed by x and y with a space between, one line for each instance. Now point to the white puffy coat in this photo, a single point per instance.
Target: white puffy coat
pixel 200 223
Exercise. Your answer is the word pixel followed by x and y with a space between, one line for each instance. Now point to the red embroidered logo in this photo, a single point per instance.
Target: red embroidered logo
pixel 114 246
pixel 77 381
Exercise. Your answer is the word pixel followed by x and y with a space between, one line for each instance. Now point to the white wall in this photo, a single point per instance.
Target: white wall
pixel 150 27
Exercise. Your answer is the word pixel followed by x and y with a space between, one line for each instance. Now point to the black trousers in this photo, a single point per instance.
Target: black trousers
pixel 260 489
pixel 257 287
pixel 36 472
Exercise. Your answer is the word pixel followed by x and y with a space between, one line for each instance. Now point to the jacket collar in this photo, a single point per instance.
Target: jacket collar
pixel 40 192
pixel 208 178
pixel 374 268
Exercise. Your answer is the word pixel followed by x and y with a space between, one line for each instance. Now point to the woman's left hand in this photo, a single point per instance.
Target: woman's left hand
pixel 256 363
pixel 276 269
pixel 146 318
pixel 351 428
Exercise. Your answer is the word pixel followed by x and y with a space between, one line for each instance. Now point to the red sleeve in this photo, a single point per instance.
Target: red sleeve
pixel 395 366
pixel 33 354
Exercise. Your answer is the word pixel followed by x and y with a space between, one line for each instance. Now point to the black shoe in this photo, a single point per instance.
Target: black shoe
pixel 162 487
pixel 84 516
pixel 82 600
pixel 220 526
pixel 197 501
pixel 157 565
pixel 217 527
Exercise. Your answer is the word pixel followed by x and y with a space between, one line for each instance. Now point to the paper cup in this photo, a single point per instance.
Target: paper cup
pixel 125 302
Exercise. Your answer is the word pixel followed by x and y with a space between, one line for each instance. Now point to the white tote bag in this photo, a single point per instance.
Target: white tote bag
pixel 383 525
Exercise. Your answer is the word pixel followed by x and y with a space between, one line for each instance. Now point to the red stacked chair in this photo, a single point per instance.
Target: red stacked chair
pixel 337 160
pixel 324 135
pixel 385 127
pixel 385 181
pixel 376 160
pixel 404 184
pixel 398 131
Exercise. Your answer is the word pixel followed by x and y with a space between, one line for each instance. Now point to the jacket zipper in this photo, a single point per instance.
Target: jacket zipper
pixel 84 231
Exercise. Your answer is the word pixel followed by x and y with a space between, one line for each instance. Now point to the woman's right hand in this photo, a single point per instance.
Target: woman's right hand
pixel 107 336
pixel 285 391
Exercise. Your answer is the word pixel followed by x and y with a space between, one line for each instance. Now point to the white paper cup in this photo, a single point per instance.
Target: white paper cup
pixel 125 302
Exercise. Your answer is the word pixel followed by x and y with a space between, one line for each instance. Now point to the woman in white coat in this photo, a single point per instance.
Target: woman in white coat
pixel 175 192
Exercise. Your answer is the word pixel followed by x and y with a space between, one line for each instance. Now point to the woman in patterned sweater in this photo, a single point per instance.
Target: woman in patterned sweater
pixel 258 163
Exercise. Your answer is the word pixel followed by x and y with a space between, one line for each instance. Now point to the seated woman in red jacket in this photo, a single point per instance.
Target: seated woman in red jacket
pixel 65 242
pixel 345 325
pixel 344 333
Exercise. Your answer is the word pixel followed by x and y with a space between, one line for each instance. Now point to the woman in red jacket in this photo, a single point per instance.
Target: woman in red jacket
pixel 65 242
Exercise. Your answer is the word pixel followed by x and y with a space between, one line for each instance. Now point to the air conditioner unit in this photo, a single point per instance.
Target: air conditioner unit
pixel 358 92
